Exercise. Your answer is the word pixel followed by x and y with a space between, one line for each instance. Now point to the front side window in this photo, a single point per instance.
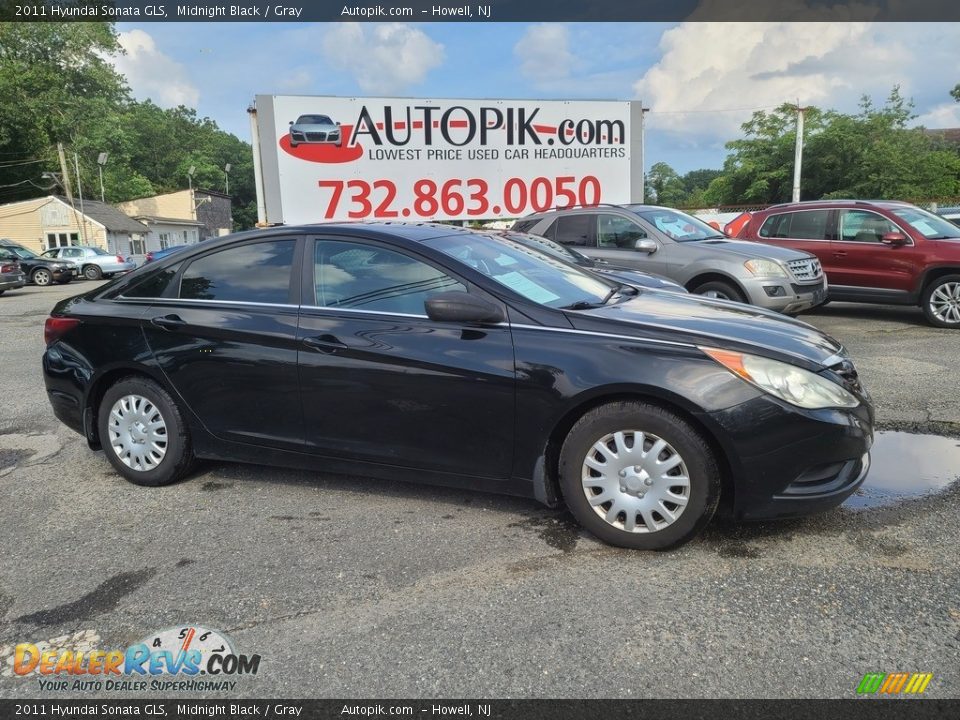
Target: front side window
pixel 614 231
pixel 367 277
pixel 51 253
pixel 257 272
pixel 864 226
pixel 575 230
pixel 532 273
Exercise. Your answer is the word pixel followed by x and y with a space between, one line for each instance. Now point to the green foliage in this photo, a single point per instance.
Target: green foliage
pixel 871 154
pixel 58 86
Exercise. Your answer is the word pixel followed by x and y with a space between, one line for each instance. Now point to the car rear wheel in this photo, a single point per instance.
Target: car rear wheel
pixel 941 302
pixel 639 476
pixel 720 290
pixel 143 433
pixel 92 272
pixel 42 277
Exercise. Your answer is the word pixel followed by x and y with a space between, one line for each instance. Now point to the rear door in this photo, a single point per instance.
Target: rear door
pixel 383 383
pixel 861 260
pixel 224 332
pixel 806 230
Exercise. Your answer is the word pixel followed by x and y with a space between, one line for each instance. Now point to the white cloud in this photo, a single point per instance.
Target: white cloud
pixel 946 115
pixel 152 74
pixel 743 66
pixel 544 54
pixel 383 58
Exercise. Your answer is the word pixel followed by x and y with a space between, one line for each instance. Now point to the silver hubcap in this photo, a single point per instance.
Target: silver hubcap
pixel 716 294
pixel 138 433
pixel 41 277
pixel 636 481
pixel 945 302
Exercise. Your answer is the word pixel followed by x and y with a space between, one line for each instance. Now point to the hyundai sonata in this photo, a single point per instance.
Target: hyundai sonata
pixel 462 358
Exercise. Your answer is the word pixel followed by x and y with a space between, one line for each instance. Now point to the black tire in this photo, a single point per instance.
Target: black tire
pixel 2 292
pixel 92 272
pixel 694 451
pixel 723 290
pixel 42 277
pixel 947 284
pixel 178 458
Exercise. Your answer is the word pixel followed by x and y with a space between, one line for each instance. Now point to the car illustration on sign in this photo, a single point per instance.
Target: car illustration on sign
pixel 315 129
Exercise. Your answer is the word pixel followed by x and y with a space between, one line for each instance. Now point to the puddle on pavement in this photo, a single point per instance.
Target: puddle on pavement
pixel 905 466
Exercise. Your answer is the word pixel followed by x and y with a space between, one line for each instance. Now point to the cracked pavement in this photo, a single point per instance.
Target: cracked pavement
pixel 350 587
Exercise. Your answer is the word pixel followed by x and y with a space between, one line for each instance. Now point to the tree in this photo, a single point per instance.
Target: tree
pixel 665 185
pixel 955 93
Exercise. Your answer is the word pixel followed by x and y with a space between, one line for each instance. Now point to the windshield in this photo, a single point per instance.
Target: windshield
pixel 677 225
pixel 314 120
pixel 932 227
pixel 537 276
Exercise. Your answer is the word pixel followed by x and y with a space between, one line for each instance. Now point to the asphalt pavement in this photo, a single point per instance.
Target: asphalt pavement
pixel 351 587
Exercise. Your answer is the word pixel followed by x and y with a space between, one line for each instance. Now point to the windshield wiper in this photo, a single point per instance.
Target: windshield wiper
pixel 588 304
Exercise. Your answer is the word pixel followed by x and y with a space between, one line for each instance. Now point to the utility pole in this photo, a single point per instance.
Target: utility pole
pixel 65 173
pixel 637 162
pixel 798 152
pixel 83 224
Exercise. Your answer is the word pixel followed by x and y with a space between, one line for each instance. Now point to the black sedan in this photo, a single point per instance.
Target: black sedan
pixel 443 355
pixel 37 269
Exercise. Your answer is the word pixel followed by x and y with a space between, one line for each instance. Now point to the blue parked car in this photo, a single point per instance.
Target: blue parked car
pixel 160 254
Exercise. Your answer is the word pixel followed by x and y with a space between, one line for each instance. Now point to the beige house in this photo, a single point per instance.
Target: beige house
pixel 51 221
pixel 207 211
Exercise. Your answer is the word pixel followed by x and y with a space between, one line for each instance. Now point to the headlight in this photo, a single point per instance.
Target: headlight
pixel 788 382
pixel 57 266
pixel 764 268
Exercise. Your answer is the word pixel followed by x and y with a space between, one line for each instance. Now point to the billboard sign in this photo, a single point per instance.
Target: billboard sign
pixel 337 158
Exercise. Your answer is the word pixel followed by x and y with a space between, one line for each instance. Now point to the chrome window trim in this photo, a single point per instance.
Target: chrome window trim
pixel 189 301
pixel 361 310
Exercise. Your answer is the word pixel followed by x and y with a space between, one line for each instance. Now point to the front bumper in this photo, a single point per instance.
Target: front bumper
pixel 787 462
pixel 785 296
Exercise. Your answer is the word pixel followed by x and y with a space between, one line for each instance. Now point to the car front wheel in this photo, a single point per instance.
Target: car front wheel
pixel 639 476
pixel 720 290
pixel 41 277
pixel 143 433
pixel 941 302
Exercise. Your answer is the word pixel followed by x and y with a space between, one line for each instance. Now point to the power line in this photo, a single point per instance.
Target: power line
pixel 720 110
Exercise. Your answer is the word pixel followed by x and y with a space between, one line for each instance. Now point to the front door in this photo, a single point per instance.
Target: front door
pixel 224 331
pixel 861 260
pixel 383 383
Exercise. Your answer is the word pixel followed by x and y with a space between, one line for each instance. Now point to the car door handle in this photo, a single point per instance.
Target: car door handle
pixel 324 343
pixel 169 322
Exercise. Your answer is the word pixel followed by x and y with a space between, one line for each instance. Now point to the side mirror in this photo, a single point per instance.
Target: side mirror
pixel 460 307
pixel 646 245
pixel 338 122
pixel 291 122
pixel 894 239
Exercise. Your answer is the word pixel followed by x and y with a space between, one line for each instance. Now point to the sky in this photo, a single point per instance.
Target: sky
pixel 700 80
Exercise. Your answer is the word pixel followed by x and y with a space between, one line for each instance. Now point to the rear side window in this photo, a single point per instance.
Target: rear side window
pixel 575 230
pixel 805 225
pixel 258 272
pixel 154 286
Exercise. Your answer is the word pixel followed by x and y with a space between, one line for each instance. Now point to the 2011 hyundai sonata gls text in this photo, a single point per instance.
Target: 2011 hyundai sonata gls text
pixel 463 358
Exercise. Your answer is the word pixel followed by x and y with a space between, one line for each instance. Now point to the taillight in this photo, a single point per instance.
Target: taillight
pixel 8 268
pixel 55 327
pixel 149 257
pixel 119 259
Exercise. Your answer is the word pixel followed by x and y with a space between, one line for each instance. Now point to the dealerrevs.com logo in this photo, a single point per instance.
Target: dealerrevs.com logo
pixel 901 683
pixel 187 658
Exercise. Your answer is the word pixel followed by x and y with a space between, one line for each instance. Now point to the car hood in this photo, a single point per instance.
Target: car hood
pixel 636 277
pixel 315 128
pixel 750 249
pixel 664 315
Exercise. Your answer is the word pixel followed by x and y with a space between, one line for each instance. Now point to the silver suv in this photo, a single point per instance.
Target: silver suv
pixel 688 251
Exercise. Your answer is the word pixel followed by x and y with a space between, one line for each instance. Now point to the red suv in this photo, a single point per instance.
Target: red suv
pixel 873 251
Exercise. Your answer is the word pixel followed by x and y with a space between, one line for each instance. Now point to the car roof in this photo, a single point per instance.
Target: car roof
pixel 819 204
